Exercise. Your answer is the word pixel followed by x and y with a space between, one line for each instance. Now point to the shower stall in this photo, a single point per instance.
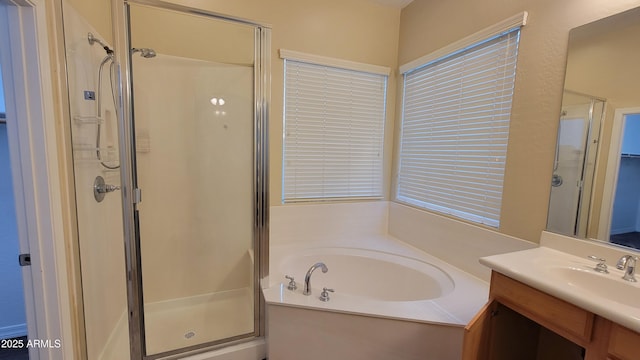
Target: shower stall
pixel 169 137
pixel 574 164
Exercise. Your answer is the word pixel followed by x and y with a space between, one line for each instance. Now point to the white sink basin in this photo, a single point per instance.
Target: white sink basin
pixel 610 286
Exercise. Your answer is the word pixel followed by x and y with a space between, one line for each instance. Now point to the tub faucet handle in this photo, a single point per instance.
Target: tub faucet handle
pixel 324 295
pixel 292 283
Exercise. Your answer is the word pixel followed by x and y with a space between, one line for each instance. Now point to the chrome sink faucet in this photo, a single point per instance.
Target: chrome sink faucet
pixel 307 278
pixel 628 264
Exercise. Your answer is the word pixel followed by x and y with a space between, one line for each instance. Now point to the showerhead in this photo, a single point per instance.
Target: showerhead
pixel 144 52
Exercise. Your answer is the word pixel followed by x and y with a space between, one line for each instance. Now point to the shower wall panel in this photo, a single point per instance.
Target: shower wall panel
pixel 99 224
pixel 194 134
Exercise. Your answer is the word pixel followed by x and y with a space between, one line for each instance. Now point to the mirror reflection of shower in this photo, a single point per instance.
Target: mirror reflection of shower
pixel 144 52
pixel 109 59
pixel 574 163
pixel 556 179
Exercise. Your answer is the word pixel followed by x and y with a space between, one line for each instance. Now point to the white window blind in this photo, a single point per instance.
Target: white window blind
pixel 455 128
pixel 333 132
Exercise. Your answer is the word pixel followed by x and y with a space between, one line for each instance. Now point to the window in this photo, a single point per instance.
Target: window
pixel 334 115
pixel 455 126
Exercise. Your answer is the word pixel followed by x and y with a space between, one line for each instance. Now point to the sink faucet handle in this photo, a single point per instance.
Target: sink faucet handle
pixel 292 283
pixel 601 267
pixel 324 295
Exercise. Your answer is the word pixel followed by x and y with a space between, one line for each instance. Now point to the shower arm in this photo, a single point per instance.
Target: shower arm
pixel 92 39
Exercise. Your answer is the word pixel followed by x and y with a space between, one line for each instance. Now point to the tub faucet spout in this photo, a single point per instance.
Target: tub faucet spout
pixel 307 278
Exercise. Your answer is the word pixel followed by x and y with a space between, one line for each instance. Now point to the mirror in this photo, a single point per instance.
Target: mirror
pixel 595 189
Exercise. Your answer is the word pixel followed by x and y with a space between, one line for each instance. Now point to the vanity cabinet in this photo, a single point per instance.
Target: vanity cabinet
pixel 520 322
pixel 623 343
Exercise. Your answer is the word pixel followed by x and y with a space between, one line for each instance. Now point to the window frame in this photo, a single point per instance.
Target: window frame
pixel 451 52
pixel 351 69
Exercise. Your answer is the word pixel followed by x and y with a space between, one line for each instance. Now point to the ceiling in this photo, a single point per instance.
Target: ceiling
pixel 394 3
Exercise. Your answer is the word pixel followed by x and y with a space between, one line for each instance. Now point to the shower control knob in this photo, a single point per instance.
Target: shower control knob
pixel 100 188
pixel 292 283
pixel 324 295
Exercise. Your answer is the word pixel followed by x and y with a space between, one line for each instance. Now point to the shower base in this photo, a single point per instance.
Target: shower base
pixel 184 322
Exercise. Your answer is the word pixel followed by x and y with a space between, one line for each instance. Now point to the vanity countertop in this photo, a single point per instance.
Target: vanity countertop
pixel 573 279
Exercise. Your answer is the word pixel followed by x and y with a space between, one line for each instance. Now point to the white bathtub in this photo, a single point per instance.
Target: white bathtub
pixel 387 288
pixel 370 275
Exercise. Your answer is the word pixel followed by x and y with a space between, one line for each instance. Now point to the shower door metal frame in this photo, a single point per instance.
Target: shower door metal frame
pixel 131 193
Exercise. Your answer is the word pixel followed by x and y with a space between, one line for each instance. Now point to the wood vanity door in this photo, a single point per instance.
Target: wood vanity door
pixel 623 343
pixel 477 334
pixel 499 333
pixel 563 318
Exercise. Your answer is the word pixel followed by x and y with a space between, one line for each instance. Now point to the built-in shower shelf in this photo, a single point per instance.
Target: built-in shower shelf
pixel 85 152
pixel 90 147
pixel 88 119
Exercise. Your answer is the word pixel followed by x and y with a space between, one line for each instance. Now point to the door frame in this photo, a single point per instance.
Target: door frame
pixel 613 167
pixel 36 170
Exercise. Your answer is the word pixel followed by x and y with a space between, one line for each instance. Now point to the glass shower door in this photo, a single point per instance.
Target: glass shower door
pixel 194 114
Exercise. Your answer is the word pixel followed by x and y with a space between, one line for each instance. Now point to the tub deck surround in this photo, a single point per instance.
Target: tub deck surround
pixel 297 333
pixel 458 243
pixel 375 251
pixel 299 223
pixel 391 264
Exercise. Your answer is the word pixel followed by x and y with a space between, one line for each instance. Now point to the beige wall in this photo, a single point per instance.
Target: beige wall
pixel 191 36
pixel 429 25
pixel 359 30
pixel 356 30
pixel 363 31
pixel 602 60
pixel 98 14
